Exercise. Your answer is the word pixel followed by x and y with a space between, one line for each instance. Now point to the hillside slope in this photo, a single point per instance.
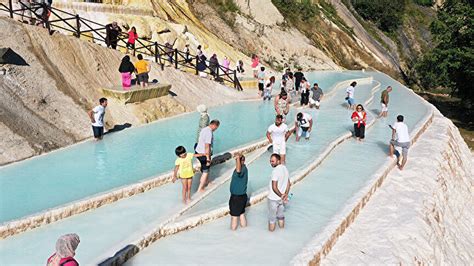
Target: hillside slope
pixel 43 105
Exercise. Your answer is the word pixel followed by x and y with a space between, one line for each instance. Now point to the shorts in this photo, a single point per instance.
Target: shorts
pixel 98 131
pixel 260 86
pixel 267 94
pixel 279 148
pixel 130 45
pixel 384 107
pixel 351 101
pixel 303 133
pixel 275 211
pixel 317 103
pixel 143 77
pixel 404 145
pixel 237 204
pixel 204 167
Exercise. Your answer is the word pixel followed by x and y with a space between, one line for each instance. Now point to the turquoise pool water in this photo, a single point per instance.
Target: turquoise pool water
pixel 126 157
pixel 317 198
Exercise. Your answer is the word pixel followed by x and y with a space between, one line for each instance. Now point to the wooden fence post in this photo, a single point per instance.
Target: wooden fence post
pixel 156 52
pixel 10 6
pixel 176 58
pixel 235 80
pixel 78 26
pixel 196 65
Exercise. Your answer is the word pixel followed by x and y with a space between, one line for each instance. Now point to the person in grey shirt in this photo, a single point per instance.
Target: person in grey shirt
pixel 316 97
pixel 204 146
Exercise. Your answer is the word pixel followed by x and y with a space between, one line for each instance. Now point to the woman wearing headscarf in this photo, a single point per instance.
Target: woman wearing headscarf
pixel 213 65
pixel 126 69
pixel 65 250
pixel 203 120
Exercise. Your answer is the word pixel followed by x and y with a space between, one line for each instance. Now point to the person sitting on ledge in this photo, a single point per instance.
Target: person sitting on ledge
pixel 142 68
pixel 126 69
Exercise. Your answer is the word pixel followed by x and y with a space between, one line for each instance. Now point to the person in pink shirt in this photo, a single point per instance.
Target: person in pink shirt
pixel 65 250
pixel 255 63
pixel 226 64
pixel 132 37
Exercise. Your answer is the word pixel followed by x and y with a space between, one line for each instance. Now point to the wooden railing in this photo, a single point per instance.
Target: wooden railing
pixel 79 26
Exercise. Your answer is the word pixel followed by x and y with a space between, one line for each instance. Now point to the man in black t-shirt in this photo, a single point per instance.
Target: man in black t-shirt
pixel 298 77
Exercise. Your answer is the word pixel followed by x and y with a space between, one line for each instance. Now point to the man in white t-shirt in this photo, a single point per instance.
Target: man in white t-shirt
pixel 303 125
pixel 350 95
pixel 278 192
pixel 400 138
pixel 278 134
pixel 96 116
pixel 204 146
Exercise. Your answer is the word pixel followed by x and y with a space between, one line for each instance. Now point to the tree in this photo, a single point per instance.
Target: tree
pixel 450 63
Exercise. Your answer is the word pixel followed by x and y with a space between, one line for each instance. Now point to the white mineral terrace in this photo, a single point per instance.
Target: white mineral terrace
pixel 335 179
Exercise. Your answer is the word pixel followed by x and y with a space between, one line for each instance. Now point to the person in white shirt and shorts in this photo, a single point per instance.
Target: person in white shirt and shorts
pixel 278 134
pixel 279 189
pixel 400 138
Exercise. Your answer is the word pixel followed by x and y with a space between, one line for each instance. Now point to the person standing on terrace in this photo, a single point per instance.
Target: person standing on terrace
pixel 203 120
pixel 267 92
pixel 278 192
pixel 255 64
pixel 238 193
pixel 96 116
pixel 316 97
pixel 240 69
pixel 277 135
pixel 261 81
pixel 400 138
pixel 304 90
pixel 384 101
pixel 132 37
pixel 226 64
pixel 350 95
pixel 184 169
pixel 359 117
pixel 282 104
pixel 298 78
pixel 112 32
pixel 213 66
pixel 204 146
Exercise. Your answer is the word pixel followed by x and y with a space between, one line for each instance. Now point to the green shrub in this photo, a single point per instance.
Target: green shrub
pixel 424 2
pixel 386 14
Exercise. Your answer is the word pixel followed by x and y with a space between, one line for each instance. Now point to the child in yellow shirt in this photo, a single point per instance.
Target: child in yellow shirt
pixel 184 169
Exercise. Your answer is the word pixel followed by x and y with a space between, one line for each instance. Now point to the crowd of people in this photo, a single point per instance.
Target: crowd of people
pixel 277 134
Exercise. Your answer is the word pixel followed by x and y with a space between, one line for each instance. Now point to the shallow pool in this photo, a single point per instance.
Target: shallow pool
pixel 126 157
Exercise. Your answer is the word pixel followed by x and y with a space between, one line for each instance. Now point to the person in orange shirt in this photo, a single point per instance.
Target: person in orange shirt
pixel 142 68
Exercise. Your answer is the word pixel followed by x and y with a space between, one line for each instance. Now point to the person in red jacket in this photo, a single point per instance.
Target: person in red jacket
pixel 359 117
pixel 65 250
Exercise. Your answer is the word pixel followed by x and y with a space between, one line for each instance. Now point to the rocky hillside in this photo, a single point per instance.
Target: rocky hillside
pixel 43 105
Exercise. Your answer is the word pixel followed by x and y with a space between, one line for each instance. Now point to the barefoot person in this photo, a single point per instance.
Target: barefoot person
pixel 384 101
pixel 350 95
pixel 278 134
pixel 204 147
pixel 96 116
pixel 400 138
pixel 278 193
pixel 359 117
pixel 303 125
pixel 184 169
pixel 282 104
pixel 316 96
pixel 238 193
